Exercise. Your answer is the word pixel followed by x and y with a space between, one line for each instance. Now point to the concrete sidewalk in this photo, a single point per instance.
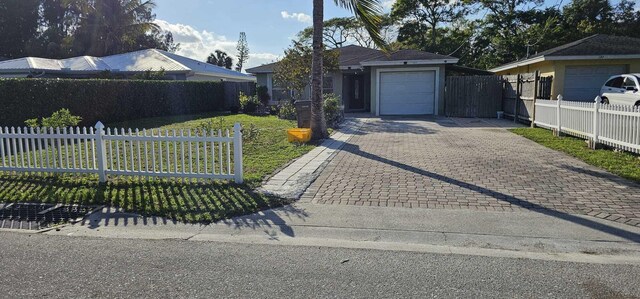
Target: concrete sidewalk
pixel 294 179
pixel 537 235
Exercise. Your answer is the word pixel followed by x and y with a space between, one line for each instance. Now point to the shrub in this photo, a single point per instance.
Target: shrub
pixel 151 75
pixel 250 133
pixel 249 104
pixel 332 111
pixel 59 119
pixel 274 110
pixel 212 124
pixel 287 111
pixel 106 100
pixel 263 95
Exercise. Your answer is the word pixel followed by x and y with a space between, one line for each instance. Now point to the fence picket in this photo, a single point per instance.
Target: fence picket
pixel 220 153
pixel 160 151
pixel 32 150
pixel 190 153
pixel 20 148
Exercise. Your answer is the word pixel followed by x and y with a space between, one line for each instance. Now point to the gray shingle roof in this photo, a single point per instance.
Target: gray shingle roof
pixel 265 68
pixel 410 55
pixel 595 45
pixel 598 44
pixel 353 55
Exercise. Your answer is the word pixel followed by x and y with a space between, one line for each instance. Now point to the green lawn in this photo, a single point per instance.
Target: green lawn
pixel 623 164
pixel 189 201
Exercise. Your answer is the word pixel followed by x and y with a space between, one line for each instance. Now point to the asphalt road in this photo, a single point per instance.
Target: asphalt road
pixel 55 266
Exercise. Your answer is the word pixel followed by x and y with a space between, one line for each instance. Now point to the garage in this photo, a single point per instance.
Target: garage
pixel 407 92
pixel 583 82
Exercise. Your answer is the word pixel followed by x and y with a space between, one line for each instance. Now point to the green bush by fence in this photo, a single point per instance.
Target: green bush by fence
pixel 106 100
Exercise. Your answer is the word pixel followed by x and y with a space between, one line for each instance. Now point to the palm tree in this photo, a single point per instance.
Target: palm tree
pixel 369 13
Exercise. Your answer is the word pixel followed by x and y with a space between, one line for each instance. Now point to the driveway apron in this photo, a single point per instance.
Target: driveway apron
pixel 467 164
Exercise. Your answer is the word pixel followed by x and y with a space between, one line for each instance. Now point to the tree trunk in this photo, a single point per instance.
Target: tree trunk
pixel 318 124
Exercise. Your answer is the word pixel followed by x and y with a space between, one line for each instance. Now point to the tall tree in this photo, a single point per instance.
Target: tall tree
pixel 367 11
pixel 220 58
pixel 421 16
pixel 18 25
pixel 511 29
pixel 586 17
pixel 116 26
pixel 293 72
pixel 339 32
pixel 58 21
pixel 243 51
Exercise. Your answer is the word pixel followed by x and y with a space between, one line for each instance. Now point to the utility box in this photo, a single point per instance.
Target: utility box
pixel 303 113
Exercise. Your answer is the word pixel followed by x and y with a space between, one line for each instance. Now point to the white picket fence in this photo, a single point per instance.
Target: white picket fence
pixel 148 153
pixel 612 125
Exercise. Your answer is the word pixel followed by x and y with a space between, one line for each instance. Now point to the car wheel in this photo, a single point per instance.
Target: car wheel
pixel 637 104
pixel 605 101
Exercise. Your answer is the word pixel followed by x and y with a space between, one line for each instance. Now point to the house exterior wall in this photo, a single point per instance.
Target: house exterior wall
pixel 556 68
pixel 439 87
pixel 262 80
pixel 337 84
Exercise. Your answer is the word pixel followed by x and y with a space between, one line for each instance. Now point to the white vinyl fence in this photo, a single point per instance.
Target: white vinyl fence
pixel 150 153
pixel 612 125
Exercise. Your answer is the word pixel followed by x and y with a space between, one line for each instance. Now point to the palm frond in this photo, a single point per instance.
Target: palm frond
pixel 369 12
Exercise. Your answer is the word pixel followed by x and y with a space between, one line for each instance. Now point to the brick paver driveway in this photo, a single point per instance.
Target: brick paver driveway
pixel 446 163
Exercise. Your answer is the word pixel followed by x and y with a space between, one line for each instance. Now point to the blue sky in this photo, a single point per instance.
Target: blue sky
pixel 202 26
pixel 205 25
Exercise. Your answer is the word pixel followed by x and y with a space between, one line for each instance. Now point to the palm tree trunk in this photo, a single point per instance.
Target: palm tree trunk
pixel 318 125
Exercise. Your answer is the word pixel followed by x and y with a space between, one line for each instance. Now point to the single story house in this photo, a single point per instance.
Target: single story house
pixel 580 68
pixel 405 82
pixel 176 67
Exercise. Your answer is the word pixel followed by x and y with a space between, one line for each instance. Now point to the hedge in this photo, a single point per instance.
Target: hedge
pixel 105 100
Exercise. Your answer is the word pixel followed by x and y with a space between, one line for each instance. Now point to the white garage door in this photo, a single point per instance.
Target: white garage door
pixel 583 82
pixel 407 93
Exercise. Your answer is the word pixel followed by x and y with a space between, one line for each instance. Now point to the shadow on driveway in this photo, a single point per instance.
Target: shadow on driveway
pixel 631 236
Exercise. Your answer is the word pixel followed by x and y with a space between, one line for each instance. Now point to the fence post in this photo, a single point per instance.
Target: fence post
pixel 237 153
pixel 596 110
pixel 536 85
pixel 101 152
pixel 517 103
pixel 559 115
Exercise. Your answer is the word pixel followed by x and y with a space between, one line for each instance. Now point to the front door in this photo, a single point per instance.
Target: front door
pixel 356 95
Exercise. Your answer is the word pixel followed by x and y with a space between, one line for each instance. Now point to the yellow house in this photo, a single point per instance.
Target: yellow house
pixel 580 68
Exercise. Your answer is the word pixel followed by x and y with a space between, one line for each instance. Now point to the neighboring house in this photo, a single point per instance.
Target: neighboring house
pixel 580 68
pixel 405 82
pixel 176 67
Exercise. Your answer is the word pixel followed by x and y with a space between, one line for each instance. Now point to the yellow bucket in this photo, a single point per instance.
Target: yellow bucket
pixel 299 135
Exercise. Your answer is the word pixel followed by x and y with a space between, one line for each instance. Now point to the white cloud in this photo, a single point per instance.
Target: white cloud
pixel 298 16
pixel 387 4
pixel 198 44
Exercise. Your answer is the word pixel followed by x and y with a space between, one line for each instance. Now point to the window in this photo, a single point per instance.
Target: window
pixel 629 83
pixel 615 82
pixel 327 85
pixel 279 93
